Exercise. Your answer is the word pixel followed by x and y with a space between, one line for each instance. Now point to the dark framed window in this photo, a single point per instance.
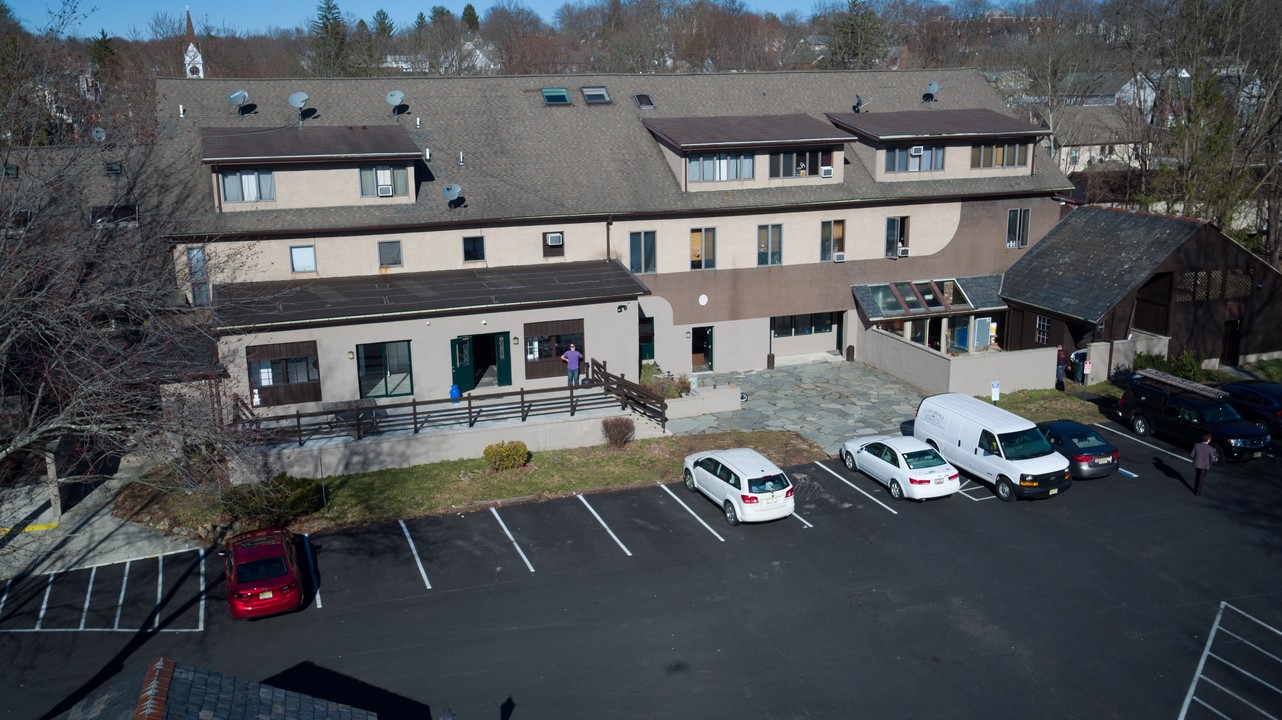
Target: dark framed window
pixel 473 248
pixel 248 186
pixel 703 248
pixel 808 324
pixel 990 156
pixel 113 168
pixel 545 342
pixel 644 102
pixel 719 167
pixel 553 244
pixel 283 374
pixel 803 163
pixel 896 235
pixel 198 274
pixel 1017 227
pixel 914 158
pixel 18 220
pixel 641 256
pixel 113 214
pixel 770 244
pixel 832 238
pixel 385 181
pixel 1042 331
pixel 389 253
pixel 384 369
pixel 10 171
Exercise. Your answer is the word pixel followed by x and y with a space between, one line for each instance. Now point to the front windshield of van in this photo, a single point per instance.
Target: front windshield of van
pixel 1024 444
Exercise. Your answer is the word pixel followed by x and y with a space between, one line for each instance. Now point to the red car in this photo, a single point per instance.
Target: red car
pixel 262 574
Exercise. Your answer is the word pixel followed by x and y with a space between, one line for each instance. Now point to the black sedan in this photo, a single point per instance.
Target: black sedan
pixel 1089 455
pixel 1257 401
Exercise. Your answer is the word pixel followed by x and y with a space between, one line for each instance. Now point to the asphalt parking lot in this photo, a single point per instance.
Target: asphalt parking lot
pixel 1125 597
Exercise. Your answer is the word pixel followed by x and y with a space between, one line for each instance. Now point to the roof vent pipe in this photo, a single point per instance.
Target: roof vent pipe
pixel 182 112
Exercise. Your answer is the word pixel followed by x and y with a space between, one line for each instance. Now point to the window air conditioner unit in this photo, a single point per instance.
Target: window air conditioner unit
pixel 839 257
pixel 916 150
pixel 555 239
pixel 384 190
pixel 825 171
pixel 903 251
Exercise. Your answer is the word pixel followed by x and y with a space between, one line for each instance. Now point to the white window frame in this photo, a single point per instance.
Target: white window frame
pixel 302 258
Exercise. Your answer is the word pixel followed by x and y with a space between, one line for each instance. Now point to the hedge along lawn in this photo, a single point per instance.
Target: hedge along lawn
pixel 463 484
pixel 1040 405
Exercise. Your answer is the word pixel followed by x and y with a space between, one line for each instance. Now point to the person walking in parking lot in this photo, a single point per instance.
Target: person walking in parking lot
pixel 571 359
pixel 1203 457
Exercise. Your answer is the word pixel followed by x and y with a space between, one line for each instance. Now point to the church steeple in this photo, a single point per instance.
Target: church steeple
pixel 192 60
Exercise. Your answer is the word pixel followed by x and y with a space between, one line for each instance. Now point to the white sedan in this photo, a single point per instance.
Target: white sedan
pixel 908 467
pixel 747 486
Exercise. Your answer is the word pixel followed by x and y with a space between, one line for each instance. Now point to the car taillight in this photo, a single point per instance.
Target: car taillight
pixel 1116 455
pixel 289 588
pixel 919 481
pixel 954 476
pixel 748 499
pixel 789 493
pixel 245 595
pixel 1082 458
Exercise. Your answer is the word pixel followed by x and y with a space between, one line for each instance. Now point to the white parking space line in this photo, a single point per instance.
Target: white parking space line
pixel 200 622
pixel 625 549
pixel 120 602
pixel 5 596
pixel 84 613
pixel 966 488
pixel 160 590
pixel 515 544
pixel 311 563
pixel 1127 473
pixel 692 514
pixel 1135 439
pixel 857 488
pixel 44 604
pixel 803 520
pixel 1198 676
pixel 414 550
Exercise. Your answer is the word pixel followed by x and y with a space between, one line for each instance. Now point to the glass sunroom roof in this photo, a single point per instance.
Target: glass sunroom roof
pixel 923 298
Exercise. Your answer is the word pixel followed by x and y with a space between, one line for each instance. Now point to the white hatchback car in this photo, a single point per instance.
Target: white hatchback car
pixel 908 467
pixel 747 486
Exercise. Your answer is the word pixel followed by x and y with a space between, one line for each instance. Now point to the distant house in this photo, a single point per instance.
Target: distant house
pixel 1168 283
pixel 1098 137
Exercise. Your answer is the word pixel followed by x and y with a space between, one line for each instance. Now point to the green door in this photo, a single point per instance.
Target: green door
pixel 503 357
pixel 461 361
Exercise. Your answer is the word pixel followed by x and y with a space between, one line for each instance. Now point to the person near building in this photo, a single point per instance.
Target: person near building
pixel 571 359
pixel 1061 367
pixel 1203 458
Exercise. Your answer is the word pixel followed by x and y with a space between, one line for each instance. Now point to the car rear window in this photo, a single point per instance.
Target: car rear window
pixel 923 459
pixel 263 569
pixel 1087 441
pixel 769 483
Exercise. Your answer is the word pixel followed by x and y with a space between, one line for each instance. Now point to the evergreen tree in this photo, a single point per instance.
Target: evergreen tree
pixel 101 53
pixel 362 60
pixel 471 22
pixel 328 56
pixel 439 14
pixel 383 26
pixel 858 40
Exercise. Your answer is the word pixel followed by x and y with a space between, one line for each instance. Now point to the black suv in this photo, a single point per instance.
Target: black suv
pixel 1182 411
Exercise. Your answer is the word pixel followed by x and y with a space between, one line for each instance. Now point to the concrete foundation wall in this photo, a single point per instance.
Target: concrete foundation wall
pixel 971 374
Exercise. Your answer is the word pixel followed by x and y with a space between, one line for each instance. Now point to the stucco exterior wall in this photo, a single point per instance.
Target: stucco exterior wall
pixel 970 374
pixel 299 187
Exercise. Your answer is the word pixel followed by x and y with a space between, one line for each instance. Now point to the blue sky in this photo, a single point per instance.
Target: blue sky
pixel 119 17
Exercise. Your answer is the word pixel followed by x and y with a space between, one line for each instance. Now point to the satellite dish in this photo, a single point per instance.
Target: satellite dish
pixel 928 97
pixel 394 97
pixel 859 103
pixel 237 97
pixel 932 87
pixel 98 134
pixel 298 100
pixel 451 192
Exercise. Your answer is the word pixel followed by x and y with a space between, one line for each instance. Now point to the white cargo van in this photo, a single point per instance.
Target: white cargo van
pixel 996 446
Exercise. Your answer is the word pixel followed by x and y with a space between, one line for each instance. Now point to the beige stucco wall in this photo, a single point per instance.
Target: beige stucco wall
pixel 609 336
pixel 314 187
pixel 971 374
pixel 956 167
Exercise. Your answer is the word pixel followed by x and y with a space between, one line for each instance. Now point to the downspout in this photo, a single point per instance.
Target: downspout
pixel 609 221
pixel 218 191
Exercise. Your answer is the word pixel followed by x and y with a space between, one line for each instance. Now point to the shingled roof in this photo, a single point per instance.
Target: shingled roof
pixel 918 125
pixel 173 691
pixel 293 304
pixel 1093 259
pixel 518 159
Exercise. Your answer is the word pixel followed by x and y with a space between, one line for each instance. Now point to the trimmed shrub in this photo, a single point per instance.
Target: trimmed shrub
pixel 618 431
pixel 1187 364
pixel 277 501
pixel 507 455
pixel 663 384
